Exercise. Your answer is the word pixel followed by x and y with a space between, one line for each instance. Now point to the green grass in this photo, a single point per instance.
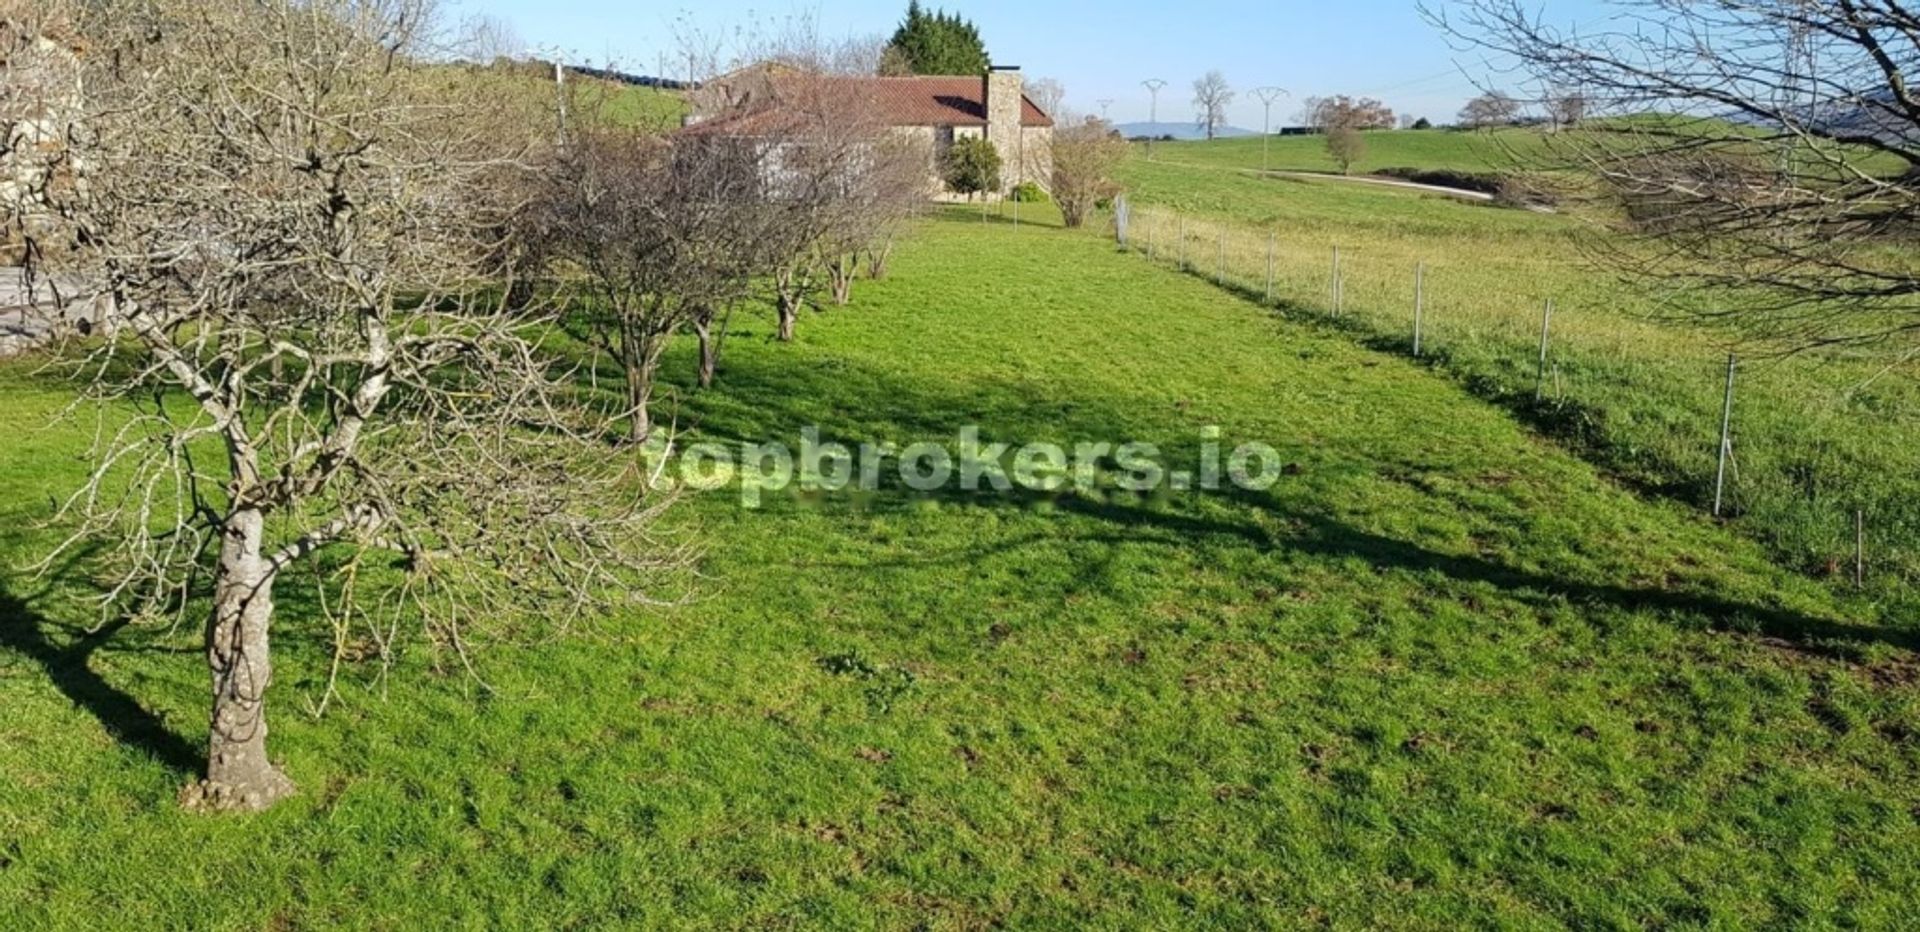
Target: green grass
pixel 628 105
pixel 1817 436
pixel 1445 674
pixel 1477 152
pixel 1432 149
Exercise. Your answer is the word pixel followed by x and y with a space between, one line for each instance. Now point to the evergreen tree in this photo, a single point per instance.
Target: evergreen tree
pixel 938 43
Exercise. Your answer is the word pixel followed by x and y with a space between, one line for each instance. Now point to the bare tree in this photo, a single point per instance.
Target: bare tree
pixel 839 182
pixel 1781 168
pixel 1309 113
pixel 1086 156
pixel 665 233
pixel 1329 113
pixel 484 39
pixel 1211 98
pixel 884 190
pixel 1489 110
pixel 1565 109
pixel 1047 94
pixel 289 215
pixel 1347 146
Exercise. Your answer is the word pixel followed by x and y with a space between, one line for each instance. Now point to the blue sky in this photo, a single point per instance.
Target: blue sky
pixel 1378 48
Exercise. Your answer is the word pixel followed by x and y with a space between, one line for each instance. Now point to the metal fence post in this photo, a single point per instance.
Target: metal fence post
pixel 1546 329
pixel 1726 440
pixel 1270 238
pixel 1336 281
pixel 1860 549
pixel 1419 303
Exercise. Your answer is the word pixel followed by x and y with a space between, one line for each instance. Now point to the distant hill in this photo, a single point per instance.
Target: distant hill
pixel 1178 130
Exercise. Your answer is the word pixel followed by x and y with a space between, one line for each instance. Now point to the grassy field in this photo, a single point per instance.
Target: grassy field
pixel 1474 152
pixel 1431 149
pixel 1445 674
pixel 628 105
pixel 1818 437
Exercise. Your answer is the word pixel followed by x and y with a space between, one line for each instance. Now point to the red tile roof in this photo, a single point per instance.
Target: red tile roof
pixel 893 101
pixel 934 101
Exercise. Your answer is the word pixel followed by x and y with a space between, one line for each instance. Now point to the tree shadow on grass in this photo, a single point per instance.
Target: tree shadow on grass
pixel 65 661
pixel 759 403
pixel 1804 633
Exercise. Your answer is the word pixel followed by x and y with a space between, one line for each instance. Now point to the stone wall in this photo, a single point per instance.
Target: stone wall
pixel 1003 100
pixel 41 180
pixel 1036 155
pixel 40 97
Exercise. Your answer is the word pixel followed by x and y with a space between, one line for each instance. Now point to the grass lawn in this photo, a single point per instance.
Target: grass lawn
pixel 1818 436
pixel 1444 675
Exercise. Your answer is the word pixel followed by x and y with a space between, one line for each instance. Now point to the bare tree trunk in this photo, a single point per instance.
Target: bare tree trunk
pixel 787 291
pixel 639 397
pixel 877 257
pixel 840 278
pixel 788 315
pixel 709 349
pixel 239 775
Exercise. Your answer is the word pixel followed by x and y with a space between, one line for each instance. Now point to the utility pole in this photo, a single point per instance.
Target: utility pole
pixel 1799 73
pixel 1267 96
pixel 1104 103
pixel 1153 86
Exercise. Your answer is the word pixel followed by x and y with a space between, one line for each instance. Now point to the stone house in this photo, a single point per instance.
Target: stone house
pixel 40 96
pixel 931 110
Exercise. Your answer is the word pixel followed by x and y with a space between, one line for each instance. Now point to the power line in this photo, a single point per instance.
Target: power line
pixel 1267 96
pixel 1153 86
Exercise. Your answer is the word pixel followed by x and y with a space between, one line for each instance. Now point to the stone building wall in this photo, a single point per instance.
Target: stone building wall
pixel 1003 95
pixel 40 97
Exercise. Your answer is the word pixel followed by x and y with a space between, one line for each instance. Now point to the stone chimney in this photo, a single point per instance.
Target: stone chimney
pixel 1002 94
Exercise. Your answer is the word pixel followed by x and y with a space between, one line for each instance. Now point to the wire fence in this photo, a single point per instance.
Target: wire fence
pixel 1838 498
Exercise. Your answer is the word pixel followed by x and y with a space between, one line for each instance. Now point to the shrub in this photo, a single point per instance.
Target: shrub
pixel 1085 159
pixel 1346 146
pixel 1027 192
pixel 1448 178
pixel 970 166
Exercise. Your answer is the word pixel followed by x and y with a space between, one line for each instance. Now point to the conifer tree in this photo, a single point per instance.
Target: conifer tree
pixel 938 43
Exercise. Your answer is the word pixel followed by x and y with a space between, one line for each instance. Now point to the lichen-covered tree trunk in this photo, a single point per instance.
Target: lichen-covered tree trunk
pixel 840 278
pixel 787 289
pixel 878 256
pixel 709 349
pixel 789 314
pixel 639 398
pixel 239 774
